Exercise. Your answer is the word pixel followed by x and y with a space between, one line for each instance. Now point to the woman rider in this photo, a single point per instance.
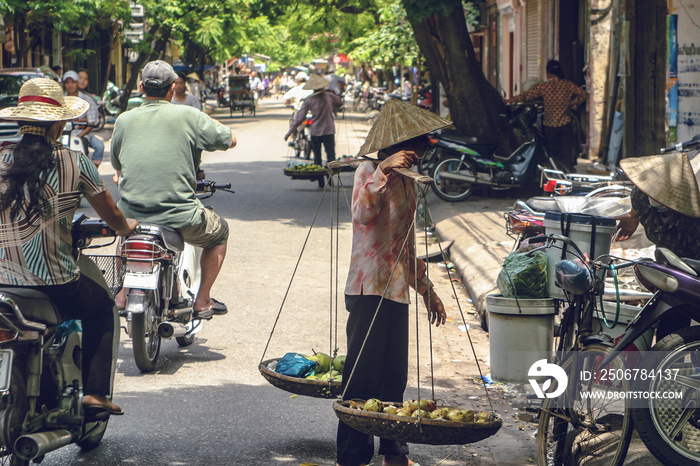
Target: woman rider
pixel 40 187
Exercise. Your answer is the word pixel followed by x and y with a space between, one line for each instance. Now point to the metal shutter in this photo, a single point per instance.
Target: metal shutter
pixel 533 37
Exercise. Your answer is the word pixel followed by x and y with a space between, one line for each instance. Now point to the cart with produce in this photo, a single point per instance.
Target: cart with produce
pixel 241 96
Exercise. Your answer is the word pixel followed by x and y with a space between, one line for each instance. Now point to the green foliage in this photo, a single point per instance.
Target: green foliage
pixel 391 42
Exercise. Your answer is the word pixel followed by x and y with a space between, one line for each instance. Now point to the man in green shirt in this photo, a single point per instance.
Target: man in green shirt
pixel 156 150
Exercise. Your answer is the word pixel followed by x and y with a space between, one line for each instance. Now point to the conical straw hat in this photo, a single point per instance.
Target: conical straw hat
pixel 315 83
pixel 399 121
pixel 668 179
pixel 42 99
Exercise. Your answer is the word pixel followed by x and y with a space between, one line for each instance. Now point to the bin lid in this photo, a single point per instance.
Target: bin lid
pixel 583 219
pixel 498 304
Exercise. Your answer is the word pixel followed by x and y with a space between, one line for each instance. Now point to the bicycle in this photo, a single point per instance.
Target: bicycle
pixel 584 424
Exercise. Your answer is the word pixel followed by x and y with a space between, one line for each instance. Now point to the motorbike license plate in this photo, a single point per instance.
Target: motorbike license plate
pixel 5 369
pixel 142 281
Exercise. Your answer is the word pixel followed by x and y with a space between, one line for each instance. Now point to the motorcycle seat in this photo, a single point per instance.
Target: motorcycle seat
pixel 543 204
pixel 171 238
pixel 484 146
pixel 34 305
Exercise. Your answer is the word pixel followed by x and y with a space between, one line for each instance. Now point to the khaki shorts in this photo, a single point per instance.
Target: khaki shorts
pixel 211 231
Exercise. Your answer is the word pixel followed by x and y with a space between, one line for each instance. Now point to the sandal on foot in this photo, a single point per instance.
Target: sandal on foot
pixel 217 309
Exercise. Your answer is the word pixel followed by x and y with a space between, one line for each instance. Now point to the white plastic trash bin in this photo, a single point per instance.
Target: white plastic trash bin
pixel 627 315
pixel 592 235
pixel 521 332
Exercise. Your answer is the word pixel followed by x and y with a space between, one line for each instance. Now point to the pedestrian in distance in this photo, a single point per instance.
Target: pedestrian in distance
pixel 156 150
pixel 41 182
pixel 322 129
pixel 91 117
pixel 181 96
pixel 559 96
pixel 83 80
pixel 383 268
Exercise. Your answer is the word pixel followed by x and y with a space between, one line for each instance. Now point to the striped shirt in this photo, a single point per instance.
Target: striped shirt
pixel 382 214
pixel 35 251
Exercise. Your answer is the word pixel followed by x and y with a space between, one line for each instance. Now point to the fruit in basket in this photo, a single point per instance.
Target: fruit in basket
pixel 426 405
pixel 407 405
pixel 455 415
pixel 391 409
pixel 339 363
pixel 420 413
pixel 439 413
pixel 333 375
pixel 404 412
pixel 323 361
pixel 373 405
pixel 468 415
pixel 482 416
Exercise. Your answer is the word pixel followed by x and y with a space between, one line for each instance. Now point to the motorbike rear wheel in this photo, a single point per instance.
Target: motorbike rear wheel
pixel 450 190
pixel 12 416
pixel 101 121
pixel 144 336
pixel 96 433
pixel 678 353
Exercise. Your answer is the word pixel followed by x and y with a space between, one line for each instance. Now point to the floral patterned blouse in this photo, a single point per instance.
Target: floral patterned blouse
pixel 383 207
pixel 558 95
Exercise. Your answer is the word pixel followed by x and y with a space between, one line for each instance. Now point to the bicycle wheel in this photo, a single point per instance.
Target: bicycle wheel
pixel 670 427
pixel 450 179
pixel 588 424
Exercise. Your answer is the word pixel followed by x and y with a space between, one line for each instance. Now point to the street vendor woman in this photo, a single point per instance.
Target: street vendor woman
pixel 666 200
pixel 382 268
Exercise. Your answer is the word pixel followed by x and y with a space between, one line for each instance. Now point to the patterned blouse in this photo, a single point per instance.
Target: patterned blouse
pixel 35 251
pixel 667 228
pixel 558 96
pixel 383 207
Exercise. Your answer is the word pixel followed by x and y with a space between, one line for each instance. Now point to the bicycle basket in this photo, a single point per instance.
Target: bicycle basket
pixel 113 268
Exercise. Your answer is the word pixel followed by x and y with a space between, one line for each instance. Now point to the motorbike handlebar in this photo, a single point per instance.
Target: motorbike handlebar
pixel 683 146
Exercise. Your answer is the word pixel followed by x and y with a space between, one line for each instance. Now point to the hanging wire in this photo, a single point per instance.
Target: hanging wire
pixel 296 267
pixel 459 307
pixel 422 198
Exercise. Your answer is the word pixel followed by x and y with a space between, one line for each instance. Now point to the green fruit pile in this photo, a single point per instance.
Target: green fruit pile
pixel 327 368
pixel 310 167
pixel 425 409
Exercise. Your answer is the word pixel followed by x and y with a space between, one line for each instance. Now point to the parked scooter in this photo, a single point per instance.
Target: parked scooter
pixel 110 103
pixel 462 162
pixel 41 393
pixel 161 281
pixel 73 142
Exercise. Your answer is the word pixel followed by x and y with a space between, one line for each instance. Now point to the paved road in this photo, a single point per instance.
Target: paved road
pixel 207 404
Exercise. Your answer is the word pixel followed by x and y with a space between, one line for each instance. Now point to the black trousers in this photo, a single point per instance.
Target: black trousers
pixel 379 372
pixel 86 300
pixel 328 141
pixel 560 142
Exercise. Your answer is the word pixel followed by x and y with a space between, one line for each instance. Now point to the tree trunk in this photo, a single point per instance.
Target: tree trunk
pixel 474 104
pixel 158 48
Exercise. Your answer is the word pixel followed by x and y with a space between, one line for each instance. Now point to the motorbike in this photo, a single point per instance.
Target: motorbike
pixel 458 163
pixel 73 142
pixel 109 105
pixel 222 99
pixel 301 139
pixel 40 376
pixel 161 280
pixel 667 426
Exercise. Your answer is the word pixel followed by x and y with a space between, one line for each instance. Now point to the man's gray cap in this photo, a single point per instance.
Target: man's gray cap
pixel 70 75
pixel 158 74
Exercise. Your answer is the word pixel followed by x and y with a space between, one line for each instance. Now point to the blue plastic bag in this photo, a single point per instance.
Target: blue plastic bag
pixel 295 365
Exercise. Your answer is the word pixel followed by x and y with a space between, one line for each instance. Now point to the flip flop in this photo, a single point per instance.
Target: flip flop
pixel 217 309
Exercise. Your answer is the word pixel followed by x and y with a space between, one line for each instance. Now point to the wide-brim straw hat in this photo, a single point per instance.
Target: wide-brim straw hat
pixel 669 179
pixel 315 83
pixel 42 99
pixel 397 122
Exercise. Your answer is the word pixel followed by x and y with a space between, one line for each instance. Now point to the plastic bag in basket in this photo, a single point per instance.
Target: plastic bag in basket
pixel 295 365
pixel 524 275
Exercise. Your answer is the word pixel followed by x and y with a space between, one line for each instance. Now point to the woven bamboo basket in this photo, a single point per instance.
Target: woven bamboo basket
pixel 425 431
pixel 305 174
pixel 299 386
